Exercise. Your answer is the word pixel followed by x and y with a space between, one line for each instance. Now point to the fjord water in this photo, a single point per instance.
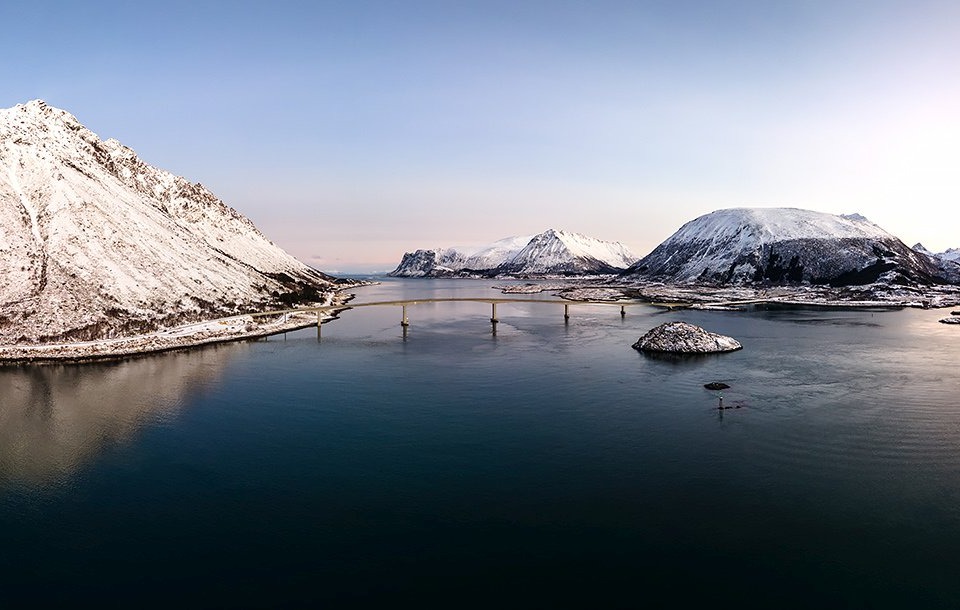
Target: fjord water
pixel 548 465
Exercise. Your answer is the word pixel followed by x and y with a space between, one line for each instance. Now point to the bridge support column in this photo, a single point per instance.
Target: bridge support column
pixel 566 312
pixel 404 322
pixel 623 311
pixel 493 313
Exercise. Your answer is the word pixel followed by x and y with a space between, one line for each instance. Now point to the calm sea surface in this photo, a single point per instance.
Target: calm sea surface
pixel 549 465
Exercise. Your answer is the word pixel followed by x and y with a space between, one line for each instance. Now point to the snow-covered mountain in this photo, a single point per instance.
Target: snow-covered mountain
pixel 562 252
pixel 96 243
pixel 755 246
pixel 950 254
pixel 439 262
pixel 948 262
pixel 553 252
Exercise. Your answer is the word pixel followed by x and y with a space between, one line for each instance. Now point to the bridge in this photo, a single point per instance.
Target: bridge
pixel 493 302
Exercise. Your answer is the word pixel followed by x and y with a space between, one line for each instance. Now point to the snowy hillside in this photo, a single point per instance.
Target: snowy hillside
pixel 494 255
pixel 96 243
pixel 950 254
pixel 552 252
pixel 555 251
pixel 743 246
pixel 439 262
pixel 948 262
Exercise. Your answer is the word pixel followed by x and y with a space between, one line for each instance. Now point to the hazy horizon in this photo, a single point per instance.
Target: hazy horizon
pixel 353 132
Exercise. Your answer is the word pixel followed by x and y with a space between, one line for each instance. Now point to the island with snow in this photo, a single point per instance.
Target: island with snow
pixel 685 338
pixel 553 253
pixel 738 256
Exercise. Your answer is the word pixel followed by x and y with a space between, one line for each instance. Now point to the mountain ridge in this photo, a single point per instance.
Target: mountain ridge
pixel 552 252
pixel 96 243
pixel 763 246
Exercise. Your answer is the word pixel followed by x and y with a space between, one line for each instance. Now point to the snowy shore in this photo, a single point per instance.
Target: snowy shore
pixel 703 297
pixel 233 328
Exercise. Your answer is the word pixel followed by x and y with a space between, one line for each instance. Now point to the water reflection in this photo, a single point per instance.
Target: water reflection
pixel 55 418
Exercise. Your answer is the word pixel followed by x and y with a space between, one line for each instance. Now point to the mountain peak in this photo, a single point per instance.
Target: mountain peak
pixel 783 245
pixel 38 111
pixel 96 243
pixel 552 252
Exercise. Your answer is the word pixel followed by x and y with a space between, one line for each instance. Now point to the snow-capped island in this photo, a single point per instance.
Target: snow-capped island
pixel 791 255
pixel 685 338
pixel 552 253
pixel 102 254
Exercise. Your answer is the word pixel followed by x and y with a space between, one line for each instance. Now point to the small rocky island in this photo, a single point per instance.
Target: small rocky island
pixel 685 338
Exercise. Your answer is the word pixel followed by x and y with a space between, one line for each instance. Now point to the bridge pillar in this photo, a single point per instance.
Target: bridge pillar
pixel 493 314
pixel 566 312
pixel 623 311
pixel 404 322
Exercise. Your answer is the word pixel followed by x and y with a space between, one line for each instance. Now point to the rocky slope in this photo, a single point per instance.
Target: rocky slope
pixel 785 246
pixel 553 252
pixel 948 262
pixel 95 243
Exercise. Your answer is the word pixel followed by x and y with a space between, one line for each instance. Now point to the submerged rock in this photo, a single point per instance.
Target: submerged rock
pixel 684 338
pixel 716 385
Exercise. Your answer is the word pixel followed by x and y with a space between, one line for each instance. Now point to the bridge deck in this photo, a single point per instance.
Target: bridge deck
pixel 485 300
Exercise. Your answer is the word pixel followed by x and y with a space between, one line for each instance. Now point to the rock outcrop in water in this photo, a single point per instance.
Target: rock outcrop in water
pixel 685 338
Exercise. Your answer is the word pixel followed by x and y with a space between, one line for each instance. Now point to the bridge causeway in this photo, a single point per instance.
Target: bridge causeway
pixel 492 301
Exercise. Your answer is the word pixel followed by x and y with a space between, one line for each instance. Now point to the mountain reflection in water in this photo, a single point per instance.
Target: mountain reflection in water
pixel 55 418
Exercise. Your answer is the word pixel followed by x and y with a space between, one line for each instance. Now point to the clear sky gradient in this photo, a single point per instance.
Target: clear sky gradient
pixel 352 131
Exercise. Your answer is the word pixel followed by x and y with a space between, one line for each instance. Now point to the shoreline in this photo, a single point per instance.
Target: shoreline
pixel 229 329
pixel 245 327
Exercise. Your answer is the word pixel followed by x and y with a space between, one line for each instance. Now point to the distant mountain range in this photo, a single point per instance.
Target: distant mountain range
pixel 777 246
pixel 95 243
pixel 950 254
pixel 553 252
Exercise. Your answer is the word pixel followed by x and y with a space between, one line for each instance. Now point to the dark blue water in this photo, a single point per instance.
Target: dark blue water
pixel 549 465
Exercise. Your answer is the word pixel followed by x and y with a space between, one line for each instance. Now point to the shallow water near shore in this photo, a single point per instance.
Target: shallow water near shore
pixel 546 465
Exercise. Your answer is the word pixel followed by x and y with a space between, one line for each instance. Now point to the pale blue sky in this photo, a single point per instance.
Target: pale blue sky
pixel 352 131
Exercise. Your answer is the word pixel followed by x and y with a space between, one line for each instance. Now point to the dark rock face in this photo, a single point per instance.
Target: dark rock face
pixel 684 338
